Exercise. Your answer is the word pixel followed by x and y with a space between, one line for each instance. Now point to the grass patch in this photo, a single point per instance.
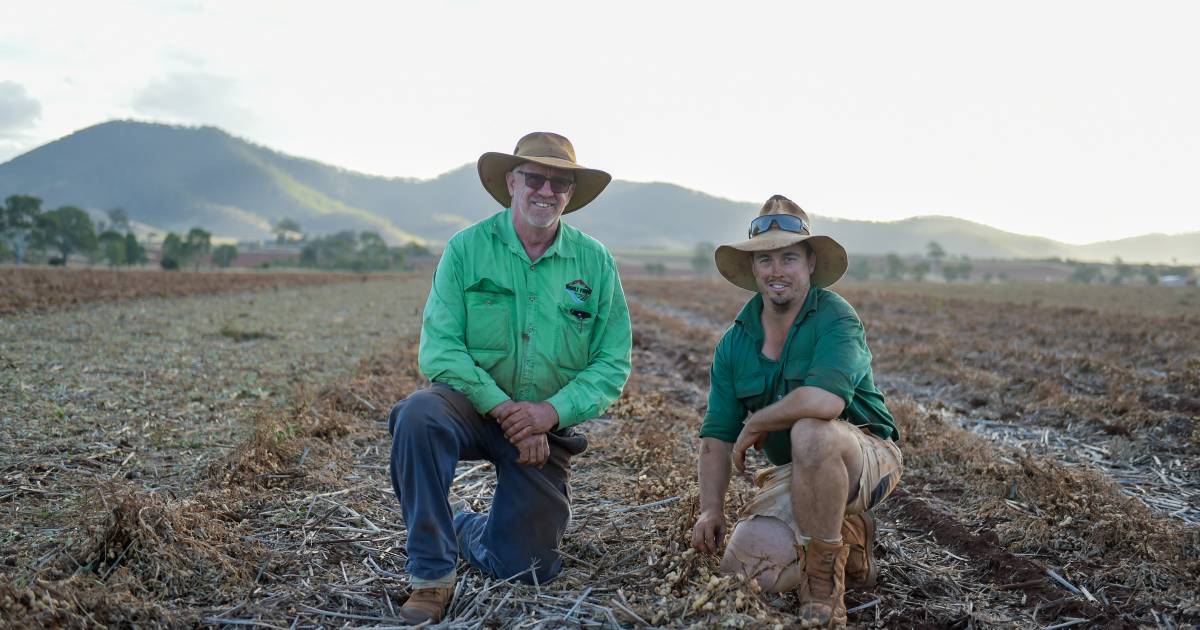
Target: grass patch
pixel 238 335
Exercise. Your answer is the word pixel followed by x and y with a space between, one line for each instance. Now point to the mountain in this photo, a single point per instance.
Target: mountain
pixel 178 177
pixel 174 178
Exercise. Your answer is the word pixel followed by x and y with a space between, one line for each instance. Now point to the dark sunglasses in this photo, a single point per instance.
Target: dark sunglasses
pixel 558 185
pixel 785 222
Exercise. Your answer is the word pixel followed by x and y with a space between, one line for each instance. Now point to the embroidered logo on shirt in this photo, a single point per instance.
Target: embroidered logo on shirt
pixel 578 290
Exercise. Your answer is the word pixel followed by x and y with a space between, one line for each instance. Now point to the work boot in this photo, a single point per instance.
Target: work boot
pixel 823 587
pixel 426 604
pixel 858 532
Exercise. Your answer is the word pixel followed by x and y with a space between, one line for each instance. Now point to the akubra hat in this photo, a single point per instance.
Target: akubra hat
pixel 549 149
pixel 775 227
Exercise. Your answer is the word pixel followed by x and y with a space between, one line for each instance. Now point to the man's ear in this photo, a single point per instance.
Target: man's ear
pixel 812 261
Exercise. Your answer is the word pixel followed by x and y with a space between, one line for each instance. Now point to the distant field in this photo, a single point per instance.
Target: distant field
pixel 1133 299
pixel 40 288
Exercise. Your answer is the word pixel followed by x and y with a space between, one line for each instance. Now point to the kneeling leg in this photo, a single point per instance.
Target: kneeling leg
pixel 765 548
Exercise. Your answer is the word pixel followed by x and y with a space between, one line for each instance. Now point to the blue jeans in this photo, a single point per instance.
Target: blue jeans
pixel 435 428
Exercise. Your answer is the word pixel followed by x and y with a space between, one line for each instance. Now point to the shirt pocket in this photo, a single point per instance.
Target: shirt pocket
pixel 749 388
pixel 575 327
pixel 489 317
pixel 796 370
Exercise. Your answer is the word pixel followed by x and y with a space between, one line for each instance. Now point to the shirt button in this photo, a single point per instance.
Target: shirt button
pixel 531 267
pixel 532 298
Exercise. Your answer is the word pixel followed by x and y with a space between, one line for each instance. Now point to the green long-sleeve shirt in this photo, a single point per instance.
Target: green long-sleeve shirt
pixel 498 326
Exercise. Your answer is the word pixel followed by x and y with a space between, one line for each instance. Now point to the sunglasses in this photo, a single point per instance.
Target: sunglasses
pixel 558 185
pixel 785 222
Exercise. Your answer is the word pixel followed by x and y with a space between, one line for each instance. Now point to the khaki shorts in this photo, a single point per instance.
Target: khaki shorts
pixel 882 465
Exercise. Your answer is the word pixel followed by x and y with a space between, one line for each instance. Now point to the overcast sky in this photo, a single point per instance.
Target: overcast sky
pixel 1072 120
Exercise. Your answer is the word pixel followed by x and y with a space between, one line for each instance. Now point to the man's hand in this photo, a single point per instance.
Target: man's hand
pixel 746 439
pixel 533 450
pixel 709 532
pixel 503 410
pixel 527 419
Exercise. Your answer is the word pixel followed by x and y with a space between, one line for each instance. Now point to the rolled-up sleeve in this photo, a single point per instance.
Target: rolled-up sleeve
pixel 841 358
pixel 442 354
pixel 609 358
pixel 726 413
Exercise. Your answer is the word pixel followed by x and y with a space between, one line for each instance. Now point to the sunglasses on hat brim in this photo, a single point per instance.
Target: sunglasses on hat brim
pixel 785 222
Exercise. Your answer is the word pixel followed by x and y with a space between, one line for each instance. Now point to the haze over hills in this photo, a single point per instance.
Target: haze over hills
pixel 174 178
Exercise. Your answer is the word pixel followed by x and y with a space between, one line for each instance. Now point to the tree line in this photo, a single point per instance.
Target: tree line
pixel 27 232
pixel 30 234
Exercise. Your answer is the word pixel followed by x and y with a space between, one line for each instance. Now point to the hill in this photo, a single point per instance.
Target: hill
pixel 174 178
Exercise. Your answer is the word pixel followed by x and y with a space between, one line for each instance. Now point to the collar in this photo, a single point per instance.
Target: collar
pixel 750 317
pixel 502 228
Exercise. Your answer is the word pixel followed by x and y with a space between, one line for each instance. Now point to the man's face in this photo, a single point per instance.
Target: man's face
pixel 782 275
pixel 540 207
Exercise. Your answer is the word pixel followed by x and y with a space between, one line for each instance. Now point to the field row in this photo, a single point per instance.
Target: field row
pixel 222 461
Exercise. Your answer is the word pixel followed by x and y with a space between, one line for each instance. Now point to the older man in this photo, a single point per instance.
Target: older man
pixel 525 334
pixel 792 377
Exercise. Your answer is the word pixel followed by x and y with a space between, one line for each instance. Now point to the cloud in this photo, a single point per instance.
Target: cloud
pixel 18 110
pixel 196 97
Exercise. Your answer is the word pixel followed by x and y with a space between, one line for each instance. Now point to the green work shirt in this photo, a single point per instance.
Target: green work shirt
pixel 499 326
pixel 826 347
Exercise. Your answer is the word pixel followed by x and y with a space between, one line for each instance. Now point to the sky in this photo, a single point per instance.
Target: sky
pixel 1070 120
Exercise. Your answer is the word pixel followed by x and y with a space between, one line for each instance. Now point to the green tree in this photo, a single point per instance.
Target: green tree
pixel 333 251
pixel 198 244
pixel 135 254
pixel 895 267
pixel 859 269
pixel 1150 273
pixel 224 255
pixel 373 252
pixel 1084 274
pixel 18 218
pixel 112 248
pixel 68 230
pixel 1123 271
pixel 174 254
pixel 702 257
pixel 416 250
pixel 396 258
pixel 936 253
pixel 285 230
pixel 919 270
pixel 957 271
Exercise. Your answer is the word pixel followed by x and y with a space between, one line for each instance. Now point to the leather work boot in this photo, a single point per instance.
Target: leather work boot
pixel 426 604
pixel 858 531
pixel 823 588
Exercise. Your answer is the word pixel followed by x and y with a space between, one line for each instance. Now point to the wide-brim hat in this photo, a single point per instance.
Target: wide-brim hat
pixel 734 259
pixel 549 149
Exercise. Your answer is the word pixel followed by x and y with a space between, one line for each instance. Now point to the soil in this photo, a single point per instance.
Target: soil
pixel 43 289
pixel 222 460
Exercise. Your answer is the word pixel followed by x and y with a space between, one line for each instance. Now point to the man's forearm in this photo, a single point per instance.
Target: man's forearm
pixel 802 402
pixel 713 470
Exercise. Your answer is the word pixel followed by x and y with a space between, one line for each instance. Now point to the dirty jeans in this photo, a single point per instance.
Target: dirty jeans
pixel 434 429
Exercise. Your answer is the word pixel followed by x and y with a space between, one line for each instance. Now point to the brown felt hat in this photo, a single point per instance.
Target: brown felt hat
pixel 734 259
pixel 549 149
